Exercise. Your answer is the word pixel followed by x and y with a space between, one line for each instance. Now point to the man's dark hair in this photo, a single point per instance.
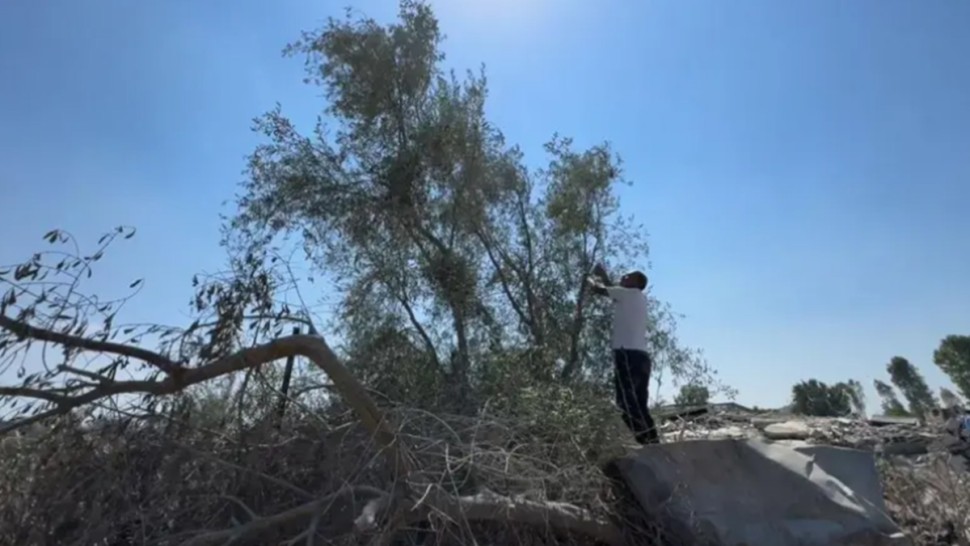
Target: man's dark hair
pixel 640 278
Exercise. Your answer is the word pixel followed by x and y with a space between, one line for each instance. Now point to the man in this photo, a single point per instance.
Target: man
pixel 631 373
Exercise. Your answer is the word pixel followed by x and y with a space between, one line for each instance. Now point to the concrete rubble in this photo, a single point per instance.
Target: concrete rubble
pixel 904 436
pixel 727 475
pixel 754 492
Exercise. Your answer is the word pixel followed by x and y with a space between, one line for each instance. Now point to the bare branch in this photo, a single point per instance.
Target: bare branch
pixel 302 511
pixel 433 500
pixel 24 330
pixel 562 517
pixel 312 347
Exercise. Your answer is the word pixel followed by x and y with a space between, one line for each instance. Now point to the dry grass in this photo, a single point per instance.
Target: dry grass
pixel 929 498
pixel 149 481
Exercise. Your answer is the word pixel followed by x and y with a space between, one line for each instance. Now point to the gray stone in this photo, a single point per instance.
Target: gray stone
pixel 915 447
pixel 761 422
pixel 789 430
pixel 881 420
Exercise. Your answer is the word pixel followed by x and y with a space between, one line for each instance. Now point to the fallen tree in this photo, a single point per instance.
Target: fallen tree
pixel 36 310
pixel 420 495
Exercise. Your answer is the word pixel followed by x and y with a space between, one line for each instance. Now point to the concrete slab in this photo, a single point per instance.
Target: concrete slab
pixel 752 492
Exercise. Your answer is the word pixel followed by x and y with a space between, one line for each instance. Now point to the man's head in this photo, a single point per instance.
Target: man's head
pixel 634 279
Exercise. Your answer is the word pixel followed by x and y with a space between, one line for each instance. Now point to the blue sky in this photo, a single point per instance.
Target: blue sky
pixel 803 167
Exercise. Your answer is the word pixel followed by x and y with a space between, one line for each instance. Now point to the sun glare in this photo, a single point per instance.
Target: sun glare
pixel 494 12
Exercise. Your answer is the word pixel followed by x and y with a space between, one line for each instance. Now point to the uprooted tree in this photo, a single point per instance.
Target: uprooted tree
pixel 460 273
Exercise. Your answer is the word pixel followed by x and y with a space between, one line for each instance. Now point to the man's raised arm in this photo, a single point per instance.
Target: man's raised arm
pixel 599 280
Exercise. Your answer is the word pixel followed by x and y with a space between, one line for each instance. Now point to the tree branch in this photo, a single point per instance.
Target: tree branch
pixel 528 321
pixel 575 333
pixel 434 500
pixel 402 297
pixel 309 346
pixel 306 510
pixel 561 517
pixel 24 330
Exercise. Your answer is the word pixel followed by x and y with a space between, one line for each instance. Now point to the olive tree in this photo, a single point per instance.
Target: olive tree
pixel 459 270
pixel 448 247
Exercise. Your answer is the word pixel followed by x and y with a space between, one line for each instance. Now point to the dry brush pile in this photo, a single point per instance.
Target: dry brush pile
pixel 351 468
pixel 930 500
pixel 317 478
pixel 169 456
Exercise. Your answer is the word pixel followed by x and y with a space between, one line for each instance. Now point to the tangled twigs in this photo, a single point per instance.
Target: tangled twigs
pixel 304 511
pixel 929 500
pixel 415 501
pixel 482 507
pixel 25 330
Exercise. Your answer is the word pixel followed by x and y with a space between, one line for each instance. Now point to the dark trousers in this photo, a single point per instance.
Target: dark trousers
pixel 631 380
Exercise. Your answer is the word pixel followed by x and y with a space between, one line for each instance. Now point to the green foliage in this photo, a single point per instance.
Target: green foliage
pixel 449 251
pixel 460 277
pixel 814 397
pixel 953 357
pixel 910 382
pixel 692 394
pixel 890 403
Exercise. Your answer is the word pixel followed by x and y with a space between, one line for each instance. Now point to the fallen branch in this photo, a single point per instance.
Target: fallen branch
pixel 558 516
pixel 304 511
pixel 312 347
pixel 407 504
pixel 25 330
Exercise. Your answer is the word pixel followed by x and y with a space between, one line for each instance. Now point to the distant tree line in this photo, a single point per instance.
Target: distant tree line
pixel 814 397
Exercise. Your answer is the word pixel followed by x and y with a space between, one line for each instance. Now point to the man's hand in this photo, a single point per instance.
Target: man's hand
pixel 596 285
pixel 600 273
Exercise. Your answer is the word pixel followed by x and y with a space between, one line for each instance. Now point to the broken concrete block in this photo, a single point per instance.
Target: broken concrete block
pixel 761 422
pixel 883 420
pixel 732 492
pixel 789 430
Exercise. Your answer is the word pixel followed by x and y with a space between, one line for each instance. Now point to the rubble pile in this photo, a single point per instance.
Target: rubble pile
pixel 946 431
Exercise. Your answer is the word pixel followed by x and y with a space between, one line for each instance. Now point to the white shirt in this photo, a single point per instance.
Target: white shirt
pixel 629 318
